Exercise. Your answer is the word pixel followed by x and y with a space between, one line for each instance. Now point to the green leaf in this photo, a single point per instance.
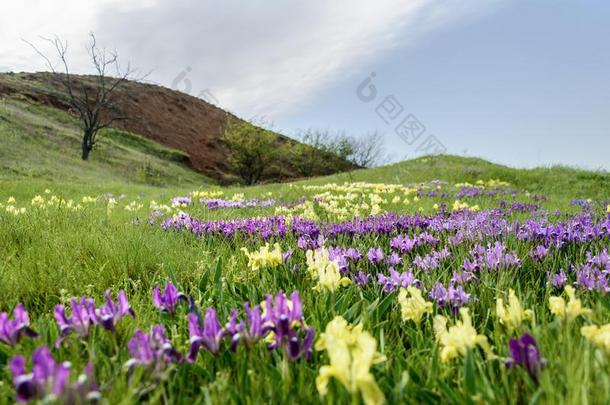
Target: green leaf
pixel 425 396
pixel 450 394
pixel 470 382
pixel 536 397
pixel 353 311
pixel 172 275
pixel 415 377
pixel 384 304
pixel 218 279
pixel 204 282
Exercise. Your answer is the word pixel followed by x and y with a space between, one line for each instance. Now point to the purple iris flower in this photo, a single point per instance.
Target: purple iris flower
pixel 471 266
pixel 495 257
pixel 11 330
pixel 287 255
pixel 439 294
pixel 204 333
pixel 586 280
pixel 110 313
pixel 152 350
pixel 280 315
pixel 215 203
pixel 463 277
pixel 234 328
pixel 362 279
pixel 49 379
pixel 425 238
pixel 285 319
pixel 426 263
pixel 254 328
pixel 395 279
pixel 403 244
pixel 456 227
pixel 456 297
pixel 83 316
pixel 181 200
pixel 306 242
pixel 442 254
pixel 539 253
pixel 155 216
pixel 169 299
pixel 393 259
pixel 249 331
pixel 524 353
pixel 298 346
pixel 375 256
pixel 581 202
pixel 353 254
pixel 337 254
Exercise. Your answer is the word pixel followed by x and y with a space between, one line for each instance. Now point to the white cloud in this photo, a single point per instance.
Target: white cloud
pixel 259 57
pixel 29 19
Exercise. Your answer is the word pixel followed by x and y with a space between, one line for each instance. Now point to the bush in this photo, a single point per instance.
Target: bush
pixel 252 149
pixel 325 153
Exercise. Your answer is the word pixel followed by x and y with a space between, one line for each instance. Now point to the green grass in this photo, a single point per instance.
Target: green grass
pixel 49 255
pixel 555 181
pixel 40 143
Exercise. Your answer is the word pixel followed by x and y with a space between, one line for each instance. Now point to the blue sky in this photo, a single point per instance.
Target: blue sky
pixel 524 83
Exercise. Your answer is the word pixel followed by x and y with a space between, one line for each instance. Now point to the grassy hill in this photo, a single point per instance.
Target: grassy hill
pixel 170 118
pixel 40 143
pixel 555 180
pixel 39 147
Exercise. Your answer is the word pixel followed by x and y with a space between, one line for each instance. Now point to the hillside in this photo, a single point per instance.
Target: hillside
pixel 39 143
pixel 39 140
pixel 559 181
pixel 171 118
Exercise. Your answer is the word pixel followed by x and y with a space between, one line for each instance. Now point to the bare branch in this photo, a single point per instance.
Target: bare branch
pixel 91 99
pixel 42 55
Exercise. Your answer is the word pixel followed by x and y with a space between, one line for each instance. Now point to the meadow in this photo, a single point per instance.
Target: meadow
pixel 436 280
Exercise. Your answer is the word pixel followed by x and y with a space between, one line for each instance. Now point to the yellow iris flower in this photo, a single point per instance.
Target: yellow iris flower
pixel 512 315
pixel 458 338
pixel 598 335
pixel 569 311
pixel 352 352
pixel 413 307
pixel 326 271
pixel 264 257
pixel 37 201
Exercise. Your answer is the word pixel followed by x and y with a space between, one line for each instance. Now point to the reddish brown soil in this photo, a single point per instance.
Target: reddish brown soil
pixel 169 117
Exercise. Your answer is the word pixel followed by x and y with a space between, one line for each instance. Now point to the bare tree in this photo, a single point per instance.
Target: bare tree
pixel 364 151
pixel 90 99
pixel 368 150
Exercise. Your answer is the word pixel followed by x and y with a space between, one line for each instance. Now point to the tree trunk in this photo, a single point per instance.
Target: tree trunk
pixel 87 145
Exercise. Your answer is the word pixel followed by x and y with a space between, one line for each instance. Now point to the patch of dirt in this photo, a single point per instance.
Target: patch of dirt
pixel 169 117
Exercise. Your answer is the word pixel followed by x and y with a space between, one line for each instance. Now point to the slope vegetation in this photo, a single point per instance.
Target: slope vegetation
pixel 171 118
pixel 41 143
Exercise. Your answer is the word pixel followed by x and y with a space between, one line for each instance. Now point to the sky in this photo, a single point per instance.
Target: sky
pixel 523 83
